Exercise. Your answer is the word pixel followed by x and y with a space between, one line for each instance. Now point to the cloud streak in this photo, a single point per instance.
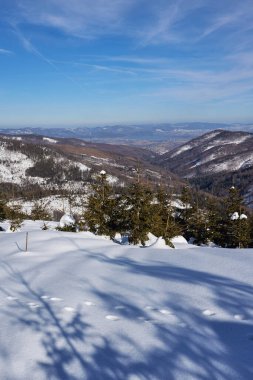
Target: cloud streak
pixel 6 52
pixel 159 22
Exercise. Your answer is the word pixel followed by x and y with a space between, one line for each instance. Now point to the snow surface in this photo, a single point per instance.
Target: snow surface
pixel 78 306
pixel 182 149
pixel 53 141
pixel 13 165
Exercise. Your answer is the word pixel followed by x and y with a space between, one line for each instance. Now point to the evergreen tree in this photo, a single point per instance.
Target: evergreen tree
pixel 118 217
pixel 200 227
pixel 185 213
pixel 2 210
pixel 100 206
pixel 236 231
pixel 163 217
pixel 15 217
pixel 139 213
pixel 39 211
pixel 214 221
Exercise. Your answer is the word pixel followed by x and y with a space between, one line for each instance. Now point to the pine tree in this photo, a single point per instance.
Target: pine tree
pixel 15 217
pixel 39 211
pixel 163 217
pixel 139 213
pixel 100 206
pixel 214 221
pixel 186 212
pixel 236 229
pixel 2 210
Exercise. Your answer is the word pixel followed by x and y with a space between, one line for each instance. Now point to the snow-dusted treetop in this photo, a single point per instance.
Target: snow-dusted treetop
pixel 236 216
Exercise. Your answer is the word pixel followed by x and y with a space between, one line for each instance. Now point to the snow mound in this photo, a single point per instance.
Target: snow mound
pixel 180 242
pixel 67 220
pixel 151 239
pixel 154 242
pixel 160 244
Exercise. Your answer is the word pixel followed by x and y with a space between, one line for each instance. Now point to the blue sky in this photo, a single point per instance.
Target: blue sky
pixel 88 62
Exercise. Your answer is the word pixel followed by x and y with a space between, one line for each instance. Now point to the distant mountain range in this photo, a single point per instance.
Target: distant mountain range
pixel 215 161
pixel 143 135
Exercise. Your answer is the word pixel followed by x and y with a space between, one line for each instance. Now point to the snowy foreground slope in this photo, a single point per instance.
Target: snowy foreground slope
pixel 81 307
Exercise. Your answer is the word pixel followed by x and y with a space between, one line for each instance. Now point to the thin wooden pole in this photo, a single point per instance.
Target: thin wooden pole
pixel 26 242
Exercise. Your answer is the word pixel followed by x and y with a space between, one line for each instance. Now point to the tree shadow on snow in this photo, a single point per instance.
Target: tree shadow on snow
pixel 193 348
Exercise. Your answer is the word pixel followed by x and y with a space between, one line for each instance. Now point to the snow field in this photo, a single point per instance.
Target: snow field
pixel 78 306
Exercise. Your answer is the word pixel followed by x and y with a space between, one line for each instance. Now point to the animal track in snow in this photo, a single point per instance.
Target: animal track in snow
pixel 111 317
pixel 165 311
pixel 33 305
pixel 56 299
pixel 151 308
pixel 89 303
pixel 11 298
pixel 208 312
pixel 69 309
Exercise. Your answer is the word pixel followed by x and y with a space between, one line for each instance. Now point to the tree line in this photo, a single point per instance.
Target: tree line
pixel 139 209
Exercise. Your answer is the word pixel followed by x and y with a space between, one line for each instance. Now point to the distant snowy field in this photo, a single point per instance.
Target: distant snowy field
pixel 77 306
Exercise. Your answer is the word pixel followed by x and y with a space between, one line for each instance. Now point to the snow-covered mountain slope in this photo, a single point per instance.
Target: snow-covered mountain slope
pixel 77 306
pixel 13 165
pixel 217 151
pixel 49 162
pixel 215 162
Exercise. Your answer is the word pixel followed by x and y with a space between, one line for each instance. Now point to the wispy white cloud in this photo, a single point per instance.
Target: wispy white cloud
pixel 30 47
pixel 220 23
pixel 110 69
pixel 145 22
pixel 79 18
pixel 4 51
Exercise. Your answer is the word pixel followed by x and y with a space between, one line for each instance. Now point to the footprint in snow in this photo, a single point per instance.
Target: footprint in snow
pixel 11 298
pixel 112 317
pixel 56 299
pixel 208 313
pixel 69 309
pixel 89 303
pixel 151 308
pixel 165 311
pixel 45 297
pixel 33 305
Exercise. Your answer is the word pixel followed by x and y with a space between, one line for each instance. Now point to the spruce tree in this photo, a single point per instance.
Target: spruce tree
pixel 163 217
pixel 236 232
pixel 139 213
pixel 2 210
pixel 186 211
pixel 15 216
pixel 214 221
pixel 100 206
pixel 39 211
